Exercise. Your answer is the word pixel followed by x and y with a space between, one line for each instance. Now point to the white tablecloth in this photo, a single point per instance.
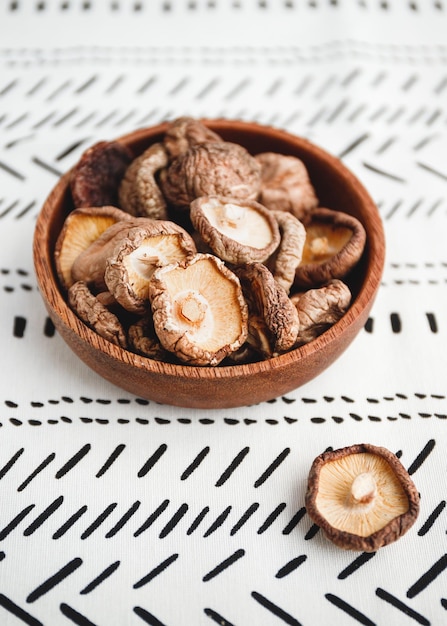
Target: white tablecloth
pixel 119 511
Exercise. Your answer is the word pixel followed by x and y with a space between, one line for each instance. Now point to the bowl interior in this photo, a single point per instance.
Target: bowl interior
pixel 223 386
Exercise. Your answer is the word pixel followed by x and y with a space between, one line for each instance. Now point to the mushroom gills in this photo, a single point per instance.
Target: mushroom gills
pixel 153 252
pixel 360 494
pixel 203 305
pixel 323 241
pixel 241 223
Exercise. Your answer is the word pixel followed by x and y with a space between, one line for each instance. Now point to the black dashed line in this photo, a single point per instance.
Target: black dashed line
pixel 152 460
pixel 290 566
pixel 428 577
pixel 77 618
pixel 98 521
pixel 271 468
pixel 294 521
pixel 156 571
pixel 54 580
pixel 275 609
pixel 70 522
pixel 244 518
pixel 123 520
pixel 18 612
pixel 101 578
pixel 385 595
pixel 5 469
pixel 422 456
pixel 355 565
pixel 75 459
pixel 198 520
pixel 218 522
pixel 195 463
pixel 175 519
pixel 349 609
pixel 151 519
pixel 15 521
pixel 42 518
pixel 232 467
pixel 37 471
pixel 224 565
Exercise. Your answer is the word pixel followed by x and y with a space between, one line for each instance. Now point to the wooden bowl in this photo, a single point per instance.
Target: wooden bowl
pixel 235 385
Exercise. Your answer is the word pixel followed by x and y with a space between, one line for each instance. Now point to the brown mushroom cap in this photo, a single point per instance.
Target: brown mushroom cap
pixel 89 266
pixel 237 231
pixel 273 323
pixel 139 193
pixel 211 168
pixel 320 308
pixel 81 228
pixel 198 309
pixel 146 245
pixel 143 340
pixel 361 496
pixel 288 255
pixel 185 132
pixel 285 184
pixel 334 244
pixel 95 314
pixel 95 178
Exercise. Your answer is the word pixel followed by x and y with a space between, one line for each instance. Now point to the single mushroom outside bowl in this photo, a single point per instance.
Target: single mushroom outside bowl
pixel 224 386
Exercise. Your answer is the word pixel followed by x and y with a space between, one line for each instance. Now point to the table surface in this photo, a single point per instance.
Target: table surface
pixel 119 511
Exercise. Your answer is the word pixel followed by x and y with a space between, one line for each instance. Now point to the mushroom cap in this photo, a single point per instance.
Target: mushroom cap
pixel 334 244
pixel 285 184
pixel 273 318
pixel 95 178
pixel 146 245
pixel 95 314
pixel 184 132
pixel 320 308
pixel 143 340
pixel 198 309
pixel 81 228
pixel 138 192
pixel 211 168
pixel 237 231
pixel 288 255
pixel 361 496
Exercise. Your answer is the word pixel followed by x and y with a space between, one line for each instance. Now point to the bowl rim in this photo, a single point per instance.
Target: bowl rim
pixel 54 300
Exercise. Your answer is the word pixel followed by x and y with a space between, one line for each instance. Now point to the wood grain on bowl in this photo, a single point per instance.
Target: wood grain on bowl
pixel 234 385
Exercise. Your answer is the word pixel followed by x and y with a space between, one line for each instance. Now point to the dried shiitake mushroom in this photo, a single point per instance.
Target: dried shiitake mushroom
pixel 96 177
pixel 89 265
pixel 185 132
pixel 285 184
pixel 287 256
pixel 143 340
pixel 361 496
pixel 273 322
pixel 198 309
pixel 319 308
pixel 237 231
pixel 139 193
pixel 95 314
pixel 228 250
pixel 81 228
pixel 334 244
pixel 211 168
pixel 142 248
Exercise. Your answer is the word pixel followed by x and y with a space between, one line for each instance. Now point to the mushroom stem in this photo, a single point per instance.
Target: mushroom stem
pixel 363 488
pixel 192 309
pixel 232 215
pixel 319 246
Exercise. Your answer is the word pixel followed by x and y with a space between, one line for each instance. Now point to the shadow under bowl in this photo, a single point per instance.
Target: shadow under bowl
pixel 223 386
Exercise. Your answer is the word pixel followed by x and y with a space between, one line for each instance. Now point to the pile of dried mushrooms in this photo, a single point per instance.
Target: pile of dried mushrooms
pixel 198 252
